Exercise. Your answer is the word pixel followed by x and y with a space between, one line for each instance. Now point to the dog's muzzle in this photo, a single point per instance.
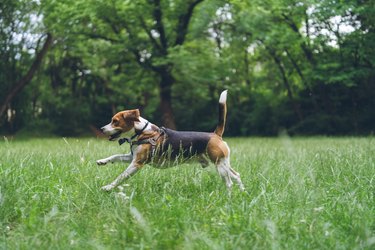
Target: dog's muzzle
pixel 114 136
pixel 111 136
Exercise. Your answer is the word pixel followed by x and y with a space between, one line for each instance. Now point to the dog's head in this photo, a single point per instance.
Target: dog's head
pixel 122 122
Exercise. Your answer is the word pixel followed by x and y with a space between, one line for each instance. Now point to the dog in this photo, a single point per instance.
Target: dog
pixel 162 147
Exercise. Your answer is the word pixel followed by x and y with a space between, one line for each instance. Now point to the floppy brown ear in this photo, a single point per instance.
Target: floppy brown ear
pixel 132 115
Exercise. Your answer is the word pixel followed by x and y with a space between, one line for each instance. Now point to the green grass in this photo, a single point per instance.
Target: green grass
pixel 302 193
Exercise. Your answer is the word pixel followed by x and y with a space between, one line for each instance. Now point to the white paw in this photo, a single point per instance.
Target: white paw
pixel 107 187
pixel 102 162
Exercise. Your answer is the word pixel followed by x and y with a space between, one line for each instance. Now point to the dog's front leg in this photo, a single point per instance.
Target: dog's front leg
pixel 115 158
pixel 131 170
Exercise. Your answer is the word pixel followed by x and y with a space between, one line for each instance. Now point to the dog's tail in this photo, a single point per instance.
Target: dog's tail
pixel 222 114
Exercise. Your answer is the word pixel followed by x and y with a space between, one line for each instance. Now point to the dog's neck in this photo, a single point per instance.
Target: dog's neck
pixel 141 124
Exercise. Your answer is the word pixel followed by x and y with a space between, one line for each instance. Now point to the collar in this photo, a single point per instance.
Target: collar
pixel 129 140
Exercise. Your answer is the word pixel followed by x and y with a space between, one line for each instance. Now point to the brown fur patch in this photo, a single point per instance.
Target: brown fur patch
pixel 143 155
pixel 124 120
pixel 217 148
pixel 222 119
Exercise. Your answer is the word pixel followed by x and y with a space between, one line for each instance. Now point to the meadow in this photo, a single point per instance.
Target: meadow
pixel 301 193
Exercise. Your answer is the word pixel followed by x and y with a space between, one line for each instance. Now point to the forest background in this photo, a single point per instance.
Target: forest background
pixel 305 67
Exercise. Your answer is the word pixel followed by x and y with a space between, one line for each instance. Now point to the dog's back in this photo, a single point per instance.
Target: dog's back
pixel 192 143
pixel 184 143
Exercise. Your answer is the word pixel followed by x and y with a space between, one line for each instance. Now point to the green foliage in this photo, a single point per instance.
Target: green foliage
pixel 19 34
pixel 305 66
pixel 301 193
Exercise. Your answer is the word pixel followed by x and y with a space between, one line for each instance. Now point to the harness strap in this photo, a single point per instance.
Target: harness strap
pixel 129 140
pixel 140 142
pixel 123 140
pixel 151 141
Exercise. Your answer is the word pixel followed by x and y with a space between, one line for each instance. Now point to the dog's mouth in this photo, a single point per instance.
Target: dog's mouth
pixel 115 136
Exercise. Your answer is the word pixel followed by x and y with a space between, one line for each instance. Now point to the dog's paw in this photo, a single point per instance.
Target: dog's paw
pixel 107 187
pixel 102 161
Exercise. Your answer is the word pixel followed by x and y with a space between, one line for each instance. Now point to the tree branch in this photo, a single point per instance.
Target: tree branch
pixel 111 24
pixel 148 32
pixel 307 51
pixel 281 67
pixel 158 15
pixel 97 36
pixel 183 22
pixel 29 75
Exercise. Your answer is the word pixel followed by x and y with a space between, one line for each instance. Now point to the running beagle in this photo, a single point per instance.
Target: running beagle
pixel 162 147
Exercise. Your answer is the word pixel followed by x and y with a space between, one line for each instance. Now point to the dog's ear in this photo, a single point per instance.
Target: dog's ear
pixel 132 115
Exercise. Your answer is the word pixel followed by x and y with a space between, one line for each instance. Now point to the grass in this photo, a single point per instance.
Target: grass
pixel 302 193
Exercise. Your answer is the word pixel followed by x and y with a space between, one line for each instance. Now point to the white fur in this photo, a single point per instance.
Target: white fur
pixel 115 158
pixel 130 171
pixel 228 173
pixel 108 129
pixel 223 97
pixel 142 122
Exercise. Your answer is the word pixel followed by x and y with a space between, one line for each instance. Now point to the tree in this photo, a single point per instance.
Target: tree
pixel 21 57
pixel 18 86
pixel 146 31
pixel 306 66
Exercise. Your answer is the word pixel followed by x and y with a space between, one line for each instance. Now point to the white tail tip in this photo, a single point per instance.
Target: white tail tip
pixel 223 96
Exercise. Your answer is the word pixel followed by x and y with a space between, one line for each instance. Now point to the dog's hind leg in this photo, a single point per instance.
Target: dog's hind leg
pixel 228 173
pixel 224 171
pixel 236 176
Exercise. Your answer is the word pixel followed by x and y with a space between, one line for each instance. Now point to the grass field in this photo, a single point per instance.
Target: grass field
pixel 302 193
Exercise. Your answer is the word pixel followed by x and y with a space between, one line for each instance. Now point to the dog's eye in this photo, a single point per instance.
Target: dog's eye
pixel 115 122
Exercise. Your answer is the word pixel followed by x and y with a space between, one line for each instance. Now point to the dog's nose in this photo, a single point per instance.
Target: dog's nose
pixel 102 129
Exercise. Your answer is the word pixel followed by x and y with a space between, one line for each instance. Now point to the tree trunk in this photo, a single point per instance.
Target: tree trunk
pixel 166 82
pixel 28 77
pixel 296 107
pixel 305 83
pixel 247 69
pixel 304 45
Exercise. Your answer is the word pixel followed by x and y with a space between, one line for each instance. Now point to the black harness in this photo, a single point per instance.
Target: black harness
pixel 131 141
